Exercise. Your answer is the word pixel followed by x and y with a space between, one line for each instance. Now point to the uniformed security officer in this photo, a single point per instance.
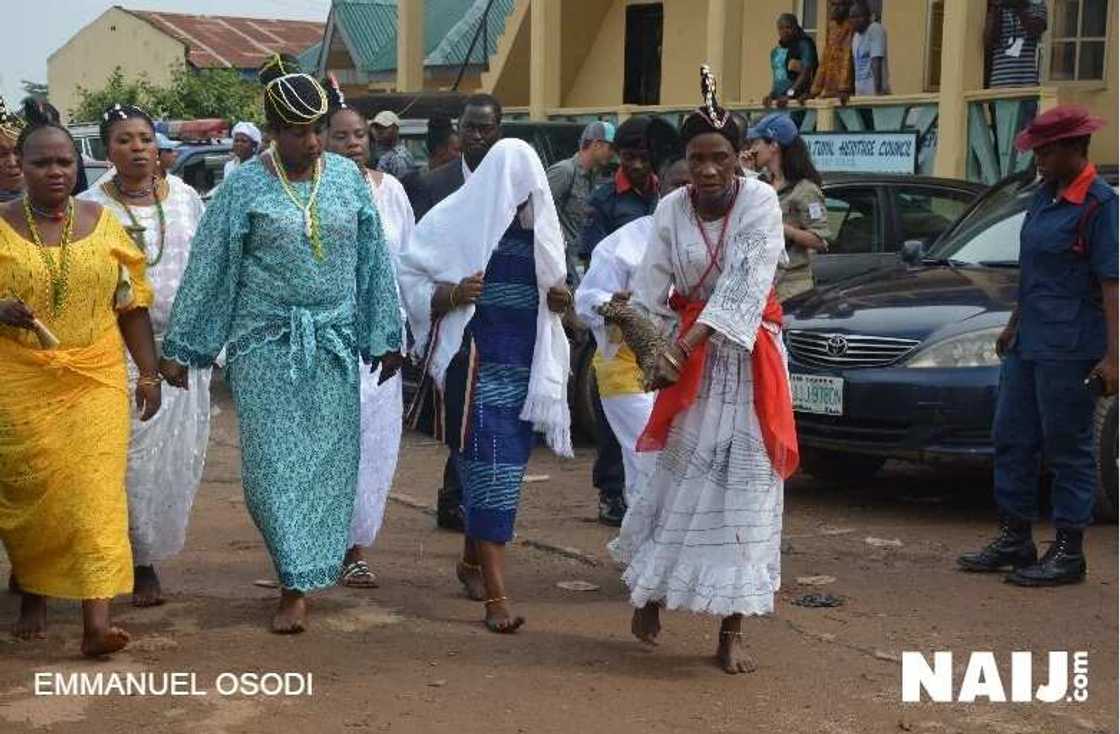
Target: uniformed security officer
pixel 1059 354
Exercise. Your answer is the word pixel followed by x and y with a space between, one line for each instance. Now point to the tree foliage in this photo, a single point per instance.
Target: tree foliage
pixel 191 94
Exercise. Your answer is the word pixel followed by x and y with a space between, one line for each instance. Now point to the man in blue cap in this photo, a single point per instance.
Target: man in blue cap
pixel 572 180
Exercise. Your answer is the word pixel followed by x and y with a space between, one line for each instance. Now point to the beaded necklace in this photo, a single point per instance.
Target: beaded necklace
pixel 60 272
pixel 137 230
pixel 309 210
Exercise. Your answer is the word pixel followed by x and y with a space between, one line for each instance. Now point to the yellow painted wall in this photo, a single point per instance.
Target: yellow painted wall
pixel 906 24
pixel 599 79
pixel 684 40
pixel 1100 98
pixel 760 35
pixel 115 38
pixel 508 74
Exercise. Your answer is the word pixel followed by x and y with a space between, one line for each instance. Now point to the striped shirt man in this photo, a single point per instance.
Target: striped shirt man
pixel 1014 42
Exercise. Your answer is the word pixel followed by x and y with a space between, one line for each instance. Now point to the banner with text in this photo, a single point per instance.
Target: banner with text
pixel 864 152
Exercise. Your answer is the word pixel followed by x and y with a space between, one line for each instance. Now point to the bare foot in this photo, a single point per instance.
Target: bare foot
pixel 104 642
pixel 731 656
pixel 32 622
pixel 500 620
pixel 470 575
pixel 146 591
pixel 290 615
pixel 646 623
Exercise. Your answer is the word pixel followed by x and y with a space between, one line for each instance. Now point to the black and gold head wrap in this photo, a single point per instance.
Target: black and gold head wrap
pixel 290 97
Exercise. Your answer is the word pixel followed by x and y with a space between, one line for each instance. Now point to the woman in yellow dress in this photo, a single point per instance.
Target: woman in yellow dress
pixel 72 284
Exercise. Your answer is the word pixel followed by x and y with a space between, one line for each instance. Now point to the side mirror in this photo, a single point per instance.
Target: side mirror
pixel 912 251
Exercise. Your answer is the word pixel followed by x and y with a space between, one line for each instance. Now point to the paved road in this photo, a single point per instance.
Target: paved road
pixel 413 657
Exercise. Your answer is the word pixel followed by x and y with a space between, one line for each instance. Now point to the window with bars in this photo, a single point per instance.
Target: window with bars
pixel 1077 40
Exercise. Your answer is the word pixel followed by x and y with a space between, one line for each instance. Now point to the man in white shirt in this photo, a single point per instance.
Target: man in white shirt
pixel 869 53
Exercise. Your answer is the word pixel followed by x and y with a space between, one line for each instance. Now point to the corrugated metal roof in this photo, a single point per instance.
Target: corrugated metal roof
pixel 452 50
pixel 370 29
pixel 215 41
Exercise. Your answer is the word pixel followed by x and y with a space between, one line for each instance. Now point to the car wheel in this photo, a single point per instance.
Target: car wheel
pixel 586 390
pixel 837 467
pixel 1105 444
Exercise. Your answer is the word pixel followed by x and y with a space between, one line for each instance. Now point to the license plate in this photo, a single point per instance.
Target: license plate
pixel 818 394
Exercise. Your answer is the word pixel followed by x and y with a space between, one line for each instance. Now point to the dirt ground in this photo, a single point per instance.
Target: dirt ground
pixel 412 655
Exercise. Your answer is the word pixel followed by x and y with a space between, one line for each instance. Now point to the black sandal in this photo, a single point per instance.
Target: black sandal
pixel 358 575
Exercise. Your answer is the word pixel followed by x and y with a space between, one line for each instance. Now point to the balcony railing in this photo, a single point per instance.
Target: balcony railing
pixel 994 116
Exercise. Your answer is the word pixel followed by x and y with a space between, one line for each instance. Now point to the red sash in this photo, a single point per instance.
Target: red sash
pixel 773 403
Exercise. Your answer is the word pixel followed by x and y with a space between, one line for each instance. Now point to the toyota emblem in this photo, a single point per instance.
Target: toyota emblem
pixel 837 346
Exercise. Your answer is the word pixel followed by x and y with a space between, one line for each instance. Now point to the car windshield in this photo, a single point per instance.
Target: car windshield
pixel 989 233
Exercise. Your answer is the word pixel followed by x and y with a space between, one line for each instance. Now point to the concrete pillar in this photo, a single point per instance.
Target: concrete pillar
pixel 544 57
pixel 722 50
pixel 410 45
pixel 962 70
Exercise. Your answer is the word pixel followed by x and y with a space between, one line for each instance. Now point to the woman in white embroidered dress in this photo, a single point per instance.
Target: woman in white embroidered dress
pixel 382 403
pixel 704 532
pixel 166 454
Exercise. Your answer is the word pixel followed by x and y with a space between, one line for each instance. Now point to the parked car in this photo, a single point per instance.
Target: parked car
pixel 201 165
pixel 95 171
pixel 871 215
pixel 901 363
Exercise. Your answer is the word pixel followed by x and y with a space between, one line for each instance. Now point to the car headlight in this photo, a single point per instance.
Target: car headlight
pixel 974 349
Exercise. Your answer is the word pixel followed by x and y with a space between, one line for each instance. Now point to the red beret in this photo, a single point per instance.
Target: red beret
pixel 1064 121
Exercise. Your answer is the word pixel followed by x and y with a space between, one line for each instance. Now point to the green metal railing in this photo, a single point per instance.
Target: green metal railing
pixel 992 127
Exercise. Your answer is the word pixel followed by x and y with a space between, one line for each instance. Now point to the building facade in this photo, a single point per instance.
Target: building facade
pixel 153 43
pixel 607 59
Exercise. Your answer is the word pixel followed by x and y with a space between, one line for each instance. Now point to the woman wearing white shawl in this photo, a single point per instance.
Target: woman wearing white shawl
pixel 485 268
pixel 626 404
pixel 382 401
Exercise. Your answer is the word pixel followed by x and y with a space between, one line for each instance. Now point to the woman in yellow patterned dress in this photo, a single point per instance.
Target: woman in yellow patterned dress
pixel 72 284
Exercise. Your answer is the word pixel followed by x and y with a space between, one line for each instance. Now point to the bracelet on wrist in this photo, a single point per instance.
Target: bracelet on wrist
pixel 672 360
pixel 454 289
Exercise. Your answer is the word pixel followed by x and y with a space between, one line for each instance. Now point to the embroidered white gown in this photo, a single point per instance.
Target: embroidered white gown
pixel 382 405
pixel 166 455
pixel 704 533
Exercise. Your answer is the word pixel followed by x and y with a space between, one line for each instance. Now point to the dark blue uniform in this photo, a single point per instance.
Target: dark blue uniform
pixel 1068 246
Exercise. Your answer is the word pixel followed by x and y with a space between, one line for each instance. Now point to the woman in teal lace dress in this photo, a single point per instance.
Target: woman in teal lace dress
pixel 289 272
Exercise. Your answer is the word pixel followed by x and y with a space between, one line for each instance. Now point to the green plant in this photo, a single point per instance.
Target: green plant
pixel 191 94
